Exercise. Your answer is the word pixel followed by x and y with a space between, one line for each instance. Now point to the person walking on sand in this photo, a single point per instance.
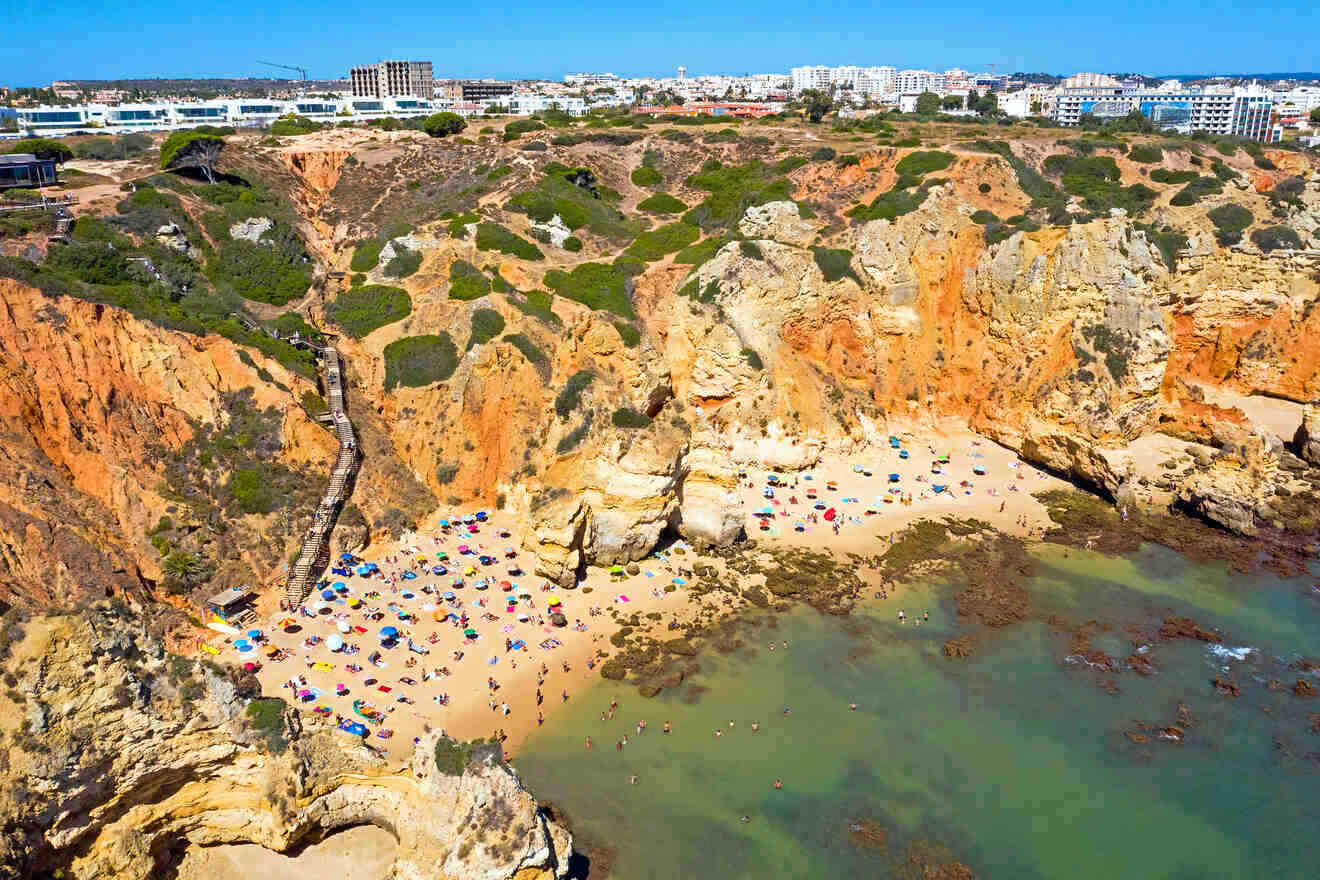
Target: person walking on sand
pixel 666 727
pixel 588 743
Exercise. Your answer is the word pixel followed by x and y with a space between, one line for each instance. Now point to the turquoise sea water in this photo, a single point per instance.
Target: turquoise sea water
pixel 1015 760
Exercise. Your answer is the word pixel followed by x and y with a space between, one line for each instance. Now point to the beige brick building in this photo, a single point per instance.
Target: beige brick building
pixel 392 79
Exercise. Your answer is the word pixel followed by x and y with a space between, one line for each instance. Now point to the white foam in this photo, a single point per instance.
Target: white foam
pixel 1225 653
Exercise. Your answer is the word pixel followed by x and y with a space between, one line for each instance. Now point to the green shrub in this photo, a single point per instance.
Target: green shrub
pixel 1265 163
pixel 1276 237
pixel 94 263
pixel 983 188
pixel 627 417
pixel 1230 222
pixel 534 147
pixel 537 304
pixel 451 758
pixel 789 163
pixel 574 438
pixel 466 281
pixel 889 205
pixel 360 310
pixel 984 217
pixel 567 400
pixel 1148 155
pixel 646 176
pixel 578 199
pixel 662 203
pixel 847 160
pixel 486 325
pixel 750 250
pixel 573 244
pixel 293 126
pixel 499 172
pixel 405 263
pixel 923 162
pixel 601 286
pixel 753 359
pixel 266 715
pixel 1196 190
pixel 654 244
pixel 824 154
pixel 834 264
pixel 251 492
pixel 702 251
pixel 1222 171
pixel 732 191
pixel 494 237
pixel 365 256
pixel 520 127
pixel 1095 179
pixel 630 335
pixel 418 361
pixel 1164 175
pixel 314 404
pixel 529 350
pixel 1113 345
pixel 458 224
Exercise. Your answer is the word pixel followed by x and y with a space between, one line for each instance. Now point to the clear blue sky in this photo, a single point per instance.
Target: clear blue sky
pixel 96 39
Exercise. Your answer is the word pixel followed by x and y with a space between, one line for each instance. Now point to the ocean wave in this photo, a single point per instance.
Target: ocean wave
pixel 1225 653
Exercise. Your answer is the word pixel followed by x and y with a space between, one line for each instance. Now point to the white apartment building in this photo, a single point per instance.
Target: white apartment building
pixel 590 79
pixel 810 77
pixel 167 115
pixel 1090 81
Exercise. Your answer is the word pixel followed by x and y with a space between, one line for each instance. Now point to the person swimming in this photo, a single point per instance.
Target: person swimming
pixel 779 783
pixel 745 819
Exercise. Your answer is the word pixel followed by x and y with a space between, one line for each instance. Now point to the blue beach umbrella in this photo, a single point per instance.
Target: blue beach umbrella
pixel 388 632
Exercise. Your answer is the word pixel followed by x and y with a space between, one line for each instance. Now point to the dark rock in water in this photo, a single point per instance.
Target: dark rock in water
pixel 1225 687
pixel 959 648
pixel 1140 664
pixel 1273 685
pixel 1303 688
pixel 1305 665
pixel 1172 733
pixel 1186 628
pixel 868 834
pixel 1137 737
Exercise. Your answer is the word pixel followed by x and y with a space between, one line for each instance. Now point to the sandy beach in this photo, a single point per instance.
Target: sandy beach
pixel 519 667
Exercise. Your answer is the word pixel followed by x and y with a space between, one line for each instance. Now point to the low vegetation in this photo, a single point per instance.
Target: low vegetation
pixel 418 361
pixel 1276 238
pixel 486 325
pixel 834 264
pixel 404 263
pixel 646 176
pixel 360 310
pixel 734 189
pixel 655 244
pixel 662 203
pixel 467 282
pixel 494 237
pixel 601 286
pixel 627 417
pixel 568 399
pixel 1230 222
pixel 578 199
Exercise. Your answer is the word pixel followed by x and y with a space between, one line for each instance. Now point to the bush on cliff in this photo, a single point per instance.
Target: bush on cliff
pixel 360 310
pixel 1230 222
pixel 418 361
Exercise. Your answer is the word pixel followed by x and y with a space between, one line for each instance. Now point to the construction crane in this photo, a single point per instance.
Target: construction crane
pixel 301 70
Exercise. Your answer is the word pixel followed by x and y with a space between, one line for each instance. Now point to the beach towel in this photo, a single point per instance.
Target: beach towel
pixel 359 629
pixel 623 598
pixel 384 689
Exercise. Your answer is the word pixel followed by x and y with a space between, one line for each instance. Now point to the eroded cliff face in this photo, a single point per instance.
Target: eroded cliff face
pixel 95 406
pixel 120 756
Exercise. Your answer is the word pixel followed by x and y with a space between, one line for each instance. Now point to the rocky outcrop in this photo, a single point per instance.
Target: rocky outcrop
pixel 777 221
pixel 1306 442
pixel 252 229
pixel 131 754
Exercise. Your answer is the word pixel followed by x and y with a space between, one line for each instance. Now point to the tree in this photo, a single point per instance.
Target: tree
pixel 187 570
pixel 951 102
pixel 928 103
pixel 1315 115
pixel 192 149
pixel 443 124
pixel 1035 108
pixel 988 105
pixel 815 104
pixel 972 98
pixel 43 148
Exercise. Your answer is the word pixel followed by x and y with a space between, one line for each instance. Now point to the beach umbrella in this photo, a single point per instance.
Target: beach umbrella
pixel 388 632
pixel 512 600
pixel 558 619
pixel 553 600
pixel 346 556
pixel 327 594
pixel 523 618
pixel 470 633
pixel 343 626
pixel 250 666
pixel 447 595
pixel 469 518
pixel 523 594
pixel 504 585
pixel 680 581
pixel 288 621
pixel 469 571
pixel 444 522
pixel 442 555
pixel 616 569
pixel 335 643
pixel 254 634
pixel 464 548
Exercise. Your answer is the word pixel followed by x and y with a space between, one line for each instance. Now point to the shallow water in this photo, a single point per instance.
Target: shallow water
pixel 1015 760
